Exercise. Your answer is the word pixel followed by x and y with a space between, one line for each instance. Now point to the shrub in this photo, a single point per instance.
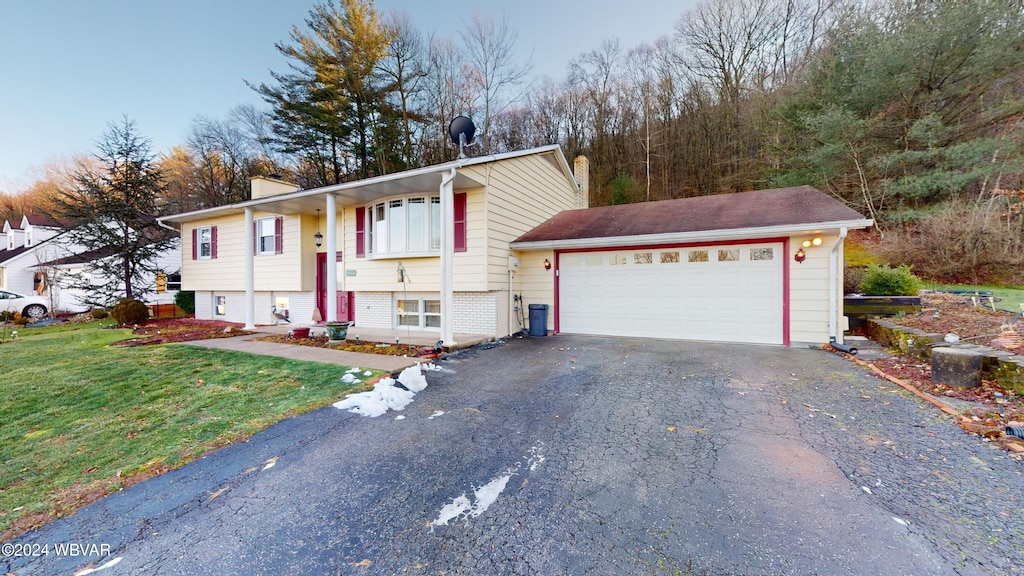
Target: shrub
pixel 20 320
pixel 186 300
pixel 886 281
pixel 98 313
pixel 6 316
pixel 852 278
pixel 130 311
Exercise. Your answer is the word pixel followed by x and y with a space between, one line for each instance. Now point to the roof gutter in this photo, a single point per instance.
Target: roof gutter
pixel 692 237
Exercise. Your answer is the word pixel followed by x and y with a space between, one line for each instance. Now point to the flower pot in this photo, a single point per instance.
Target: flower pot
pixel 336 331
pixel 300 332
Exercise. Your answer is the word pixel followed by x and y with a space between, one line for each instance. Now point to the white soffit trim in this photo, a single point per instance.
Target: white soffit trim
pixel 692 237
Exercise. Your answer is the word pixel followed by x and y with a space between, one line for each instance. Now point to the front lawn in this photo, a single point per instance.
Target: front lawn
pixel 81 419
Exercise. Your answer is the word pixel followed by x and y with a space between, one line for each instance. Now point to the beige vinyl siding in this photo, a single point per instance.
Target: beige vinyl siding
pixel 522 193
pixel 808 290
pixel 227 270
pixel 381 274
pixel 535 284
pixel 292 270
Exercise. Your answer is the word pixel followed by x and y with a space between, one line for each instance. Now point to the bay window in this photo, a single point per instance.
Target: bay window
pixel 405 226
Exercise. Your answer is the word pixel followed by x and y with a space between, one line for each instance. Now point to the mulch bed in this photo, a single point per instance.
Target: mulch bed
pixel 955 314
pixel 352 346
pixel 181 329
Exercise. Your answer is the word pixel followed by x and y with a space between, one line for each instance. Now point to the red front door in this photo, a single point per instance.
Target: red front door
pixel 345 299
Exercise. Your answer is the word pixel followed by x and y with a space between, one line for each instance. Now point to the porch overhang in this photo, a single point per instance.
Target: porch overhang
pixel 355 193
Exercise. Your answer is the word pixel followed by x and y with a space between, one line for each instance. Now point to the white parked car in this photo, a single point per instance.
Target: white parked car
pixel 34 307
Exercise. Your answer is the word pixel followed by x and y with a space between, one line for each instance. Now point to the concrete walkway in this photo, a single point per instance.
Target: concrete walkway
pixel 393 364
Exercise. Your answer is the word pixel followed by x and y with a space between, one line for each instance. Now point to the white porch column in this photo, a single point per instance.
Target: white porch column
pixel 250 273
pixel 332 258
pixel 447 254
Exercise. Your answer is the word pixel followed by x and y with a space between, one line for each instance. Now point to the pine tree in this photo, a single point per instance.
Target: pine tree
pixel 112 208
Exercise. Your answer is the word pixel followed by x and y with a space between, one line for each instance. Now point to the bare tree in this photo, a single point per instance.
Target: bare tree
pixel 490 51
pixel 404 67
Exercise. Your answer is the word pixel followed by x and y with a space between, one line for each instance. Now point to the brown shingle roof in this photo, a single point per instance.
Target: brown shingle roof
pixel 761 208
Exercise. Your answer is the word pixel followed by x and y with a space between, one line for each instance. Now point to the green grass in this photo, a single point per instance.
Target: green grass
pixel 81 418
pixel 1008 298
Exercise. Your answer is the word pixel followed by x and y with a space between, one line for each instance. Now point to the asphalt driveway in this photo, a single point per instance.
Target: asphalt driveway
pixel 576 455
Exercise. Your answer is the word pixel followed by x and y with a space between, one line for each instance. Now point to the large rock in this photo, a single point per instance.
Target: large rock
pixel 956 367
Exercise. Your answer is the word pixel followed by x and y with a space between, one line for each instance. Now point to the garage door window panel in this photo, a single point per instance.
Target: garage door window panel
pixel 732 255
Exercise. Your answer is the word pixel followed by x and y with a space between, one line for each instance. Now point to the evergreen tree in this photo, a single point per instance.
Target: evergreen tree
pixel 328 108
pixel 112 207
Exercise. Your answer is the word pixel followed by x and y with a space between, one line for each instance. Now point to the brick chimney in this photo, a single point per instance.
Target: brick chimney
pixel 581 171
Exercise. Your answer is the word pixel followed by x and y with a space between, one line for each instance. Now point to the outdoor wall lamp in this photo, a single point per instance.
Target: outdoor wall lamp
pixel 547 264
pixel 814 242
pixel 800 256
pixel 318 237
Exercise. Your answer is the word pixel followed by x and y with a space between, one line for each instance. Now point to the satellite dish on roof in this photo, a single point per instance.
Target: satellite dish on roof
pixel 462 130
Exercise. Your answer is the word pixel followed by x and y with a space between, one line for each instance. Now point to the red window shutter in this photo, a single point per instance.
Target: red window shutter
pixel 361 232
pixel 195 243
pixel 278 235
pixel 460 222
pixel 213 241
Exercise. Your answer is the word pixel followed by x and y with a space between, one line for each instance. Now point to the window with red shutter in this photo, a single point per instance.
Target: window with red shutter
pixel 278 235
pixel 460 222
pixel 361 232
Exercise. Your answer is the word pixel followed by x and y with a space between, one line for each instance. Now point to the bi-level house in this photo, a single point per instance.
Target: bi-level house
pixel 464 247
pixel 425 249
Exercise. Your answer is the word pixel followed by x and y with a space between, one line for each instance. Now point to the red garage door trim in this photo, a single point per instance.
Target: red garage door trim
pixel 785 269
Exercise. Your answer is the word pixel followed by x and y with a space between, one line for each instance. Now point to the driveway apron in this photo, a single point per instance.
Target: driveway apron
pixel 579 455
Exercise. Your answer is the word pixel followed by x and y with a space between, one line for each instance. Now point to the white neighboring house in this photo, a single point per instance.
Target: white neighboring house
pixel 37 257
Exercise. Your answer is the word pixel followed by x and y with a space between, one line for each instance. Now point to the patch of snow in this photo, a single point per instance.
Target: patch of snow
pixel 487 494
pixel 367 373
pixel 483 497
pixel 866 489
pixel 109 564
pixel 384 396
pixel 435 414
pixel 400 417
pixel 349 378
pixel 431 367
pixel 270 465
pixel 536 457
pixel 413 379
pixel 353 369
pixel 901 521
pixel 451 511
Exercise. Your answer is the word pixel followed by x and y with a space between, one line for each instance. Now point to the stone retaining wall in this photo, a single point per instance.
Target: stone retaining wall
pixel 1004 367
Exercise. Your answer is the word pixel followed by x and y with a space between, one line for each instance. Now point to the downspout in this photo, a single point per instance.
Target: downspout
pixel 447 255
pixel 833 294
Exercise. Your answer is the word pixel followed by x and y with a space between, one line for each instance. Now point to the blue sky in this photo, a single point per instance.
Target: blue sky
pixel 70 67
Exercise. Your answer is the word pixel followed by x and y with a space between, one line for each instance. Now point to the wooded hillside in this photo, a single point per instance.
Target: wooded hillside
pixel 908 110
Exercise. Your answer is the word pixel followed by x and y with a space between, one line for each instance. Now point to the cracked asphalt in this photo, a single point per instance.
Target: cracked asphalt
pixel 620 456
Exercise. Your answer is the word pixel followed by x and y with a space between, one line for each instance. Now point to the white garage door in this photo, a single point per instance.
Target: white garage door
pixel 718 293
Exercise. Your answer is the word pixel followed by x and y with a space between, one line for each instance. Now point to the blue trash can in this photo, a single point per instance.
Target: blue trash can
pixel 538 319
